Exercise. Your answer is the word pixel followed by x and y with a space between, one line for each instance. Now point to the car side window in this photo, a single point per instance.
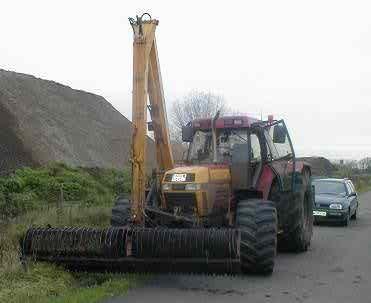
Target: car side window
pixel 349 187
pixel 352 186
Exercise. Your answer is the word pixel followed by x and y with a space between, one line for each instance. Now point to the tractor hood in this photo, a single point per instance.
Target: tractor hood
pixel 199 173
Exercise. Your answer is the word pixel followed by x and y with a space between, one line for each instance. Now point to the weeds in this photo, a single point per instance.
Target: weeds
pixel 31 189
pixel 28 198
pixel 48 283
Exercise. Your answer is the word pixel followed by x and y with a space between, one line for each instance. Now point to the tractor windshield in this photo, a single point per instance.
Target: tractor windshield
pixel 201 147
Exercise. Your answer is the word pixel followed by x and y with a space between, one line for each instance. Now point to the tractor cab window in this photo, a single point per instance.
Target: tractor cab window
pixel 255 148
pixel 278 142
pixel 201 147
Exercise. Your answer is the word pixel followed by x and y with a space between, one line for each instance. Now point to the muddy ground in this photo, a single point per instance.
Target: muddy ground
pixel 337 268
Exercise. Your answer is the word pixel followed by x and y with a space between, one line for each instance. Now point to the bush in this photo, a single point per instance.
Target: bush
pixel 31 194
pixel 13 204
pixel 30 189
pixel 46 282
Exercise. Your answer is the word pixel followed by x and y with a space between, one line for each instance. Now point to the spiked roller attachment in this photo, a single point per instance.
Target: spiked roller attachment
pixel 136 249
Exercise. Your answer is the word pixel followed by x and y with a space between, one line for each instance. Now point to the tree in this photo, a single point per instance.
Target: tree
pixel 194 105
pixel 365 164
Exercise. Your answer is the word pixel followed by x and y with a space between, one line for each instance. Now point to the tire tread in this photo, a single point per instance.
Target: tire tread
pixel 257 220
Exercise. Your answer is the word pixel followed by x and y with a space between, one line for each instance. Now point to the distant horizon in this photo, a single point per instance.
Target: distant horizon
pixel 333 155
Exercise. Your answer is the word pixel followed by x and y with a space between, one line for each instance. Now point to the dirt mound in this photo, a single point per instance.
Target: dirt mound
pixel 43 121
pixel 320 165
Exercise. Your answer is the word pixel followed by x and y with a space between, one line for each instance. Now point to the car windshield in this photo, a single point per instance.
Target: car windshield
pixel 201 148
pixel 329 187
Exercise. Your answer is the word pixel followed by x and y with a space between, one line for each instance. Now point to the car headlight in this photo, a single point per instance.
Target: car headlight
pixel 166 186
pixel 336 206
pixel 193 186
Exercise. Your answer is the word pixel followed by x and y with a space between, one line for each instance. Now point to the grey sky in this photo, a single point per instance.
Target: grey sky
pixel 306 61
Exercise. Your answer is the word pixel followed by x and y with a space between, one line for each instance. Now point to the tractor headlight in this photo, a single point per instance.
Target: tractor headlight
pixel 166 186
pixel 193 186
pixel 336 206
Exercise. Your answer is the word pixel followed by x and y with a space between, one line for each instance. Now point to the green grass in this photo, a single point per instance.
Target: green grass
pixel 29 198
pixel 363 184
pixel 46 283
pixel 112 285
pixel 42 282
pixel 31 189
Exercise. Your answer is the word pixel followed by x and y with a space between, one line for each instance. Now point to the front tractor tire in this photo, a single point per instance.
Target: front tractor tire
pixel 257 221
pixel 298 228
pixel 121 212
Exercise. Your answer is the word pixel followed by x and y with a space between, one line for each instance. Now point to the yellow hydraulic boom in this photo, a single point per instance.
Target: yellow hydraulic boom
pixel 147 82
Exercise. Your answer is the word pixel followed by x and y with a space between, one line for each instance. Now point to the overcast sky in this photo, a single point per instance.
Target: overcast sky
pixel 308 62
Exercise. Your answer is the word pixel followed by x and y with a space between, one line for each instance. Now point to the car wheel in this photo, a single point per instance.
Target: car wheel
pixel 347 219
pixel 354 216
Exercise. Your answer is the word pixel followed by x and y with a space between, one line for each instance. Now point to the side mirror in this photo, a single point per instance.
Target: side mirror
pixel 150 126
pixel 187 133
pixel 279 134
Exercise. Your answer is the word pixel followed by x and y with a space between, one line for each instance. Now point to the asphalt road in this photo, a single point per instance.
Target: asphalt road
pixel 337 268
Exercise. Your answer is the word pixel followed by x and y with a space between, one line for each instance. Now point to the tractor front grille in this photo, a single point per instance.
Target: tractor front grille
pixel 185 201
pixel 178 186
pixel 190 177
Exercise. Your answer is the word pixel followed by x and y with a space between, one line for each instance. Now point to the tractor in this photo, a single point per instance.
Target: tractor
pixel 238 196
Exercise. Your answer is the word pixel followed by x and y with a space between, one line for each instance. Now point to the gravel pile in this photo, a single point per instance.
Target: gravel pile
pixel 320 166
pixel 43 121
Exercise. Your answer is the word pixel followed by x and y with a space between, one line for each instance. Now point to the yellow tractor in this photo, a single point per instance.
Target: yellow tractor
pixel 238 195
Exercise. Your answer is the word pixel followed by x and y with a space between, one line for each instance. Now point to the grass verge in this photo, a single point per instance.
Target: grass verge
pixel 363 184
pixel 47 283
pixel 29 189
pixel 109 286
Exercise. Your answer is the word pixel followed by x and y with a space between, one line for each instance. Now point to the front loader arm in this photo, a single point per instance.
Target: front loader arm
pixel 146 81
pixel 164 153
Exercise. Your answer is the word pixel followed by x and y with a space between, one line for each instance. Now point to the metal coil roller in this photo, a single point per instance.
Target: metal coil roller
pixel 89 247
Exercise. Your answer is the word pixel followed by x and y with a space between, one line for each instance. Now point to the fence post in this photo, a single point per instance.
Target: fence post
pixel 60 203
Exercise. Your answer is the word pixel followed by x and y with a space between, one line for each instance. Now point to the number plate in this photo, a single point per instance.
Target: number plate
pixel 319 213
pixel 179 178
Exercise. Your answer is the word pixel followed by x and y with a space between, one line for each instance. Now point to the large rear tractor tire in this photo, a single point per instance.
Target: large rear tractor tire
pixel 298 228
pixel 121 212
pixel 257 221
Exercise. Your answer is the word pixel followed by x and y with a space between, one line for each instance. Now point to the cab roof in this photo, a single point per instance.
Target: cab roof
pixel 225 122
